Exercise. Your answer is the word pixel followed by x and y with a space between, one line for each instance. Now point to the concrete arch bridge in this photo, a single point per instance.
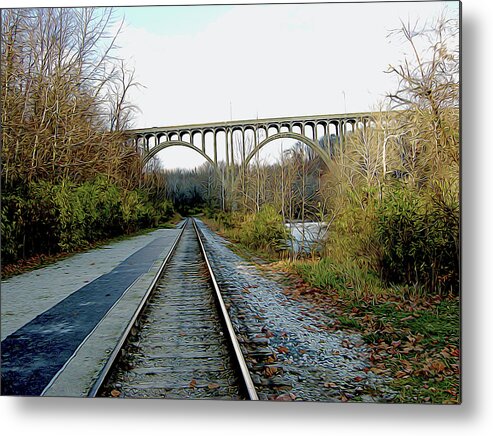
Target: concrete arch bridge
pixel 247 137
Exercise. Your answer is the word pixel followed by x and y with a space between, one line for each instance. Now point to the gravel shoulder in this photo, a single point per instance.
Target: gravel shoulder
pixel 292 350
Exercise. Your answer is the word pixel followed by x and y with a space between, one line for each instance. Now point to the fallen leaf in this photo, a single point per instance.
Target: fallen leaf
pixel 282 350
pixel 438 365
pixel 115 393
pixel 193 383
pixel 213 385
pixel 270 371
pixel 345 343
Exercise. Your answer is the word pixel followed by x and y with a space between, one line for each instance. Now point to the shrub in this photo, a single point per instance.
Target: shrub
pixel 264 230
pixel 45 218
pixel 419 237
pixel 101 201
pixel 71 216
pixel 14 208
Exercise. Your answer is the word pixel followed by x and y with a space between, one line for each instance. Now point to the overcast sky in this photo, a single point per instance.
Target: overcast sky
pixel 212 63
pixel 200 63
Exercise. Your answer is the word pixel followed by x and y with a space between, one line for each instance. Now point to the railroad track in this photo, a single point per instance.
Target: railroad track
pixel 180 342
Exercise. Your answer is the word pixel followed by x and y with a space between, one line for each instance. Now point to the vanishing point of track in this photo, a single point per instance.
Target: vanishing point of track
pixel 180 342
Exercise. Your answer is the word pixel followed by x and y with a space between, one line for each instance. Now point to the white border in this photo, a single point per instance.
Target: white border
pixel 53 416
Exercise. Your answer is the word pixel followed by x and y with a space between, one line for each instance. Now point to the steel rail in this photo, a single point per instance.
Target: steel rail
pixel 96 387
pixel 247 380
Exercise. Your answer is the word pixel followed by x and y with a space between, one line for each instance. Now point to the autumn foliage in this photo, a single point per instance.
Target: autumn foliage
pixel 69 176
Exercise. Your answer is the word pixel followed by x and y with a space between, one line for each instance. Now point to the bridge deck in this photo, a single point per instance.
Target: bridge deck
pixel 251 122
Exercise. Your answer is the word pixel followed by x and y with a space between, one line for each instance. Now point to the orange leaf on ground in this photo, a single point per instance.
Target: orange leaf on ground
pixel 270 371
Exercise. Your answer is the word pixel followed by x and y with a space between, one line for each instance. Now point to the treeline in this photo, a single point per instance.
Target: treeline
pixel 68 175
pixel 193 191
pixel 390 196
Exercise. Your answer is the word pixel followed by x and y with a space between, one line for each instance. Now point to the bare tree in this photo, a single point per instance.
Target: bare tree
pixel 429 91
pixel 120 109
pixel 57 69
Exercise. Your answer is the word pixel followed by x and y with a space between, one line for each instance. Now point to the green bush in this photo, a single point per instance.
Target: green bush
pixel 71 216
pixel 101 201
pixel 14 208
pixel 29 221
pixel 45 218
pixel 264 230
pixel 225 220
pixel 419 237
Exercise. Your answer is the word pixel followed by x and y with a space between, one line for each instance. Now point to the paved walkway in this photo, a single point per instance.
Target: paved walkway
pixel 49 315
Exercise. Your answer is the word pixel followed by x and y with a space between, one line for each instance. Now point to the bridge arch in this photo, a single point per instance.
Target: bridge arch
pixel 290 135
pixel 163 145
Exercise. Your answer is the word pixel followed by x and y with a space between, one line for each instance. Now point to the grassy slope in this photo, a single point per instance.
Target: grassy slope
pixel 413 337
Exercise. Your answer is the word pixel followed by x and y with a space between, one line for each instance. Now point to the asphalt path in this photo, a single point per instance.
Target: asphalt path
pixel 34 353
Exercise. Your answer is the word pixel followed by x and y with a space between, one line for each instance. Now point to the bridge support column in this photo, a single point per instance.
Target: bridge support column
pixel 232 170
pixel 215 147
pixel 232 151
pixel 342 132
pixel 227 170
